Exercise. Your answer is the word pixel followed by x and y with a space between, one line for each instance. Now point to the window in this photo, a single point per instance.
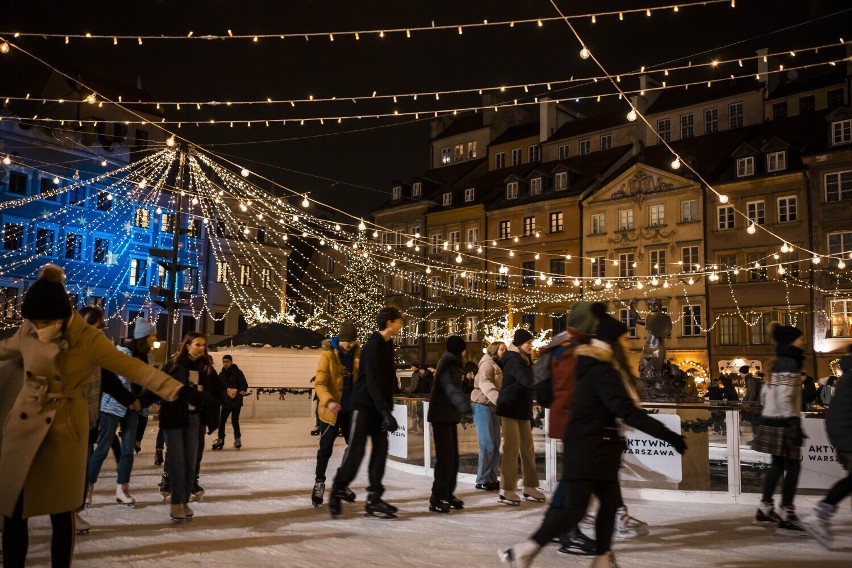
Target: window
pixel 138 272
pixel 535 186
pixel 585 147
pixel 657 262
pixel 689 258
pixel 499 160
pixel 416 189
pixel 711 120
pixel 141 137
pixel 841 131
pixel 776 161
pixel 100 253
pixel 664 129
pixel 502 281
pixel 222 271
pixel 657 214
pixel 414 283
pixel 266 278
pixel 77 196
pixel 505 229
pixel 190 280
pixel 13 236
pixel 779 110
pixel 219 323
pixel 807 104
pixel 528 274
pixel 433 331
pixel 757 330
pixel 528 320
pixel 74 246
pixel 626 265
pixel 104 201
pixel 516 156
pixel 725 217
pixel 471 149
pixel 453 283
pixel 729 330
pixel 245 274
pixel 787 210
pixel 687 129
pixel 445 155
pixel 840 244
pixel 727 265
pixel 625 219
pixel 745 166
pixel 560 181
pixel 396 192
pixel 756 211
pixel 791 264
pixel 735 115
pixel 691 320
pixel 689 211
pixel 606 141
pixel 835 98
pixel 447 199
pixel 563 151
pixel 162 277
pixel 533 153
pixel 627 318
pixel 598 266
pixel 18 183
pixel 141 218
pixel 472 283
pixel 45 242
pixel 435 242
pixel 46 190
pixel 556 222
pixel 472 235
pixel 469 194
pixel 471 327
pixel 8 302
pixel 455 241
pixel 435 286
pixel 512 190
pixel 529 226
pixel 119 132
pixel 193 229
pixel 557 270
pixel 598 224
pixel 838 186
pixel 458 152
pixel 167 225
pixel 841 318
pixel 757 267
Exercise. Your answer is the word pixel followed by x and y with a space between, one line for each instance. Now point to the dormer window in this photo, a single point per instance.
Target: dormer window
pixel 776 161
pixel 469 194
pixel 416 189
pixel 447 199
pixel 841 132
pixel 561 181
pixel 535 186
pixel 512 190
pixel 745 166
pixel 397 192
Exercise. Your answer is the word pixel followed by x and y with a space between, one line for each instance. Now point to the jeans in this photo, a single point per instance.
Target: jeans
pixel 107 425
pixel 183 451
pixel 328 434
pixel 488 431
pixel 235 420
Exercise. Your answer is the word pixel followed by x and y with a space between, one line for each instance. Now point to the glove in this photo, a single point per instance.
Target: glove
pixel 389 423
pixel 190 396
pixel 678 442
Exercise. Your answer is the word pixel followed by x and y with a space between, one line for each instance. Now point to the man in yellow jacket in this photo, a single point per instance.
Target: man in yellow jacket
pixel 337 370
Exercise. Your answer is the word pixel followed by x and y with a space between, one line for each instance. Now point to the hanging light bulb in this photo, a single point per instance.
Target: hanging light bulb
pixel 159 210
pixel 195 201
pixel 654 281
pixel 322 242
pixel 576 282
pixel 56 180
pixel 305 201
pixel 336 226
pixel 541 276
pixel 479 250
pixel 170 141
pixel 597 281
pixel 409 243
pixel 785 248
pixel 816 259
pixel 375 234
pixel 4 47
pixel 723 199
pixel 459 259
pixel 295 218
pixel 511 253
pixel 109 197
pixel 781 270
pixel 393 262
pixel 691 281
pixel 362 226
pixel 143 183
pixel 666 284
pixel 537 256
pixel 608 285
pixel 243 207
pixel 76 175
pixel 7 160
pixel 493 243
pixel 676 164
pixel 736 271
pixel 776 256
pixel 639 285
pixel 584 53
pixel 91 99
pixel 103 163
pixel 464 274
pixel 841 265
pixel 244 172
pixel 751 229
pixel 515 239
pixel 631 116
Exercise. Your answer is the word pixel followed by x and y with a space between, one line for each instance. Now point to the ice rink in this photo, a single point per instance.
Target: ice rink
pixel 257 512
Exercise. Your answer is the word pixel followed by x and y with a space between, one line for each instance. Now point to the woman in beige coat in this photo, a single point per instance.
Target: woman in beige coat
pixel 486 388
pixel 43 457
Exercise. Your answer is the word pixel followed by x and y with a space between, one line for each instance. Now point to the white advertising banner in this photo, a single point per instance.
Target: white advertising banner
pixel 649 459
pixel 398 441
pixel 820 468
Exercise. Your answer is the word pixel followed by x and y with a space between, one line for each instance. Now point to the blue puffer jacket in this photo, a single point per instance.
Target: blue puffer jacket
pixel 108 403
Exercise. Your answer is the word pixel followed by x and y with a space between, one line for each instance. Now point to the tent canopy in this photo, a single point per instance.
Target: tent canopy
pixel 276 335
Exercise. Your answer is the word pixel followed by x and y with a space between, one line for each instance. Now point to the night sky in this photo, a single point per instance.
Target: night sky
pixel 353 164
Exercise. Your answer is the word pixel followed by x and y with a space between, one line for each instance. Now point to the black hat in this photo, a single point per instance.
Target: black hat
pixel 47 298
pixel 609 329
pixel 785 333
pixel 456 345
pixel 347 331
pixel 521 337
pixel 744 369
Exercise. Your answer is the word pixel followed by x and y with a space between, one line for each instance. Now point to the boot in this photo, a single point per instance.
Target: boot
pixel 439 505
pixel 80 524
pixel 376 507
pixel 197 491
pixel 455 502
pixel 90 494
pixel 509 497
pixel 158 456
pixel 218 444
pixel 521 555
pixel 790 524
pixel 765 514
pixel 178 512
pixel 604 561
pixel 575 542
pixel 122 494
pixel 165 486
pixel 818 523
pixel 238 443
pixel 189 512
pixel 334 505
pixel 347 495
pixel 318 493
pixel 628 527
pixel 533 494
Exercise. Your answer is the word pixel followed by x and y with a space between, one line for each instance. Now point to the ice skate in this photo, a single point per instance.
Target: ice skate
pixel 178 513
pixel 455 502
pixel 509 497
pixel 587 525
pixel 766 515
pixel 317 493
pixel 521 555
pixel 334 505
pixel 627 527
pixel 90 494
pixel 123 496
pixel 218 444
pixel 818 523
pixel 347 495
pixel 165 487
pixel 437 505
pixel 158 456
pixel 238 443
pixel 189 512
pixel 81 526
pixel 378 508
pixel 576 543
pixel 533 494
pixel 789 525
pixel 197 492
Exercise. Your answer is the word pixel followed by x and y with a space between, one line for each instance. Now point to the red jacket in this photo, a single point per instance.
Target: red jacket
pixel 563 380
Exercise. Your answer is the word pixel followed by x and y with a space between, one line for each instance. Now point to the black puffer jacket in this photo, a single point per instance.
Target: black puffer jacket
pixel 599 398
pixel 233 378
pixel 448 402
pixel 516 394
pixel 175 414
pixel 838 417
pixel 373 390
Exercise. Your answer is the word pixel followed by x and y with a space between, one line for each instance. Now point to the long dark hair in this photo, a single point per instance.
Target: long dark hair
pixel 205 363
pixel 620 357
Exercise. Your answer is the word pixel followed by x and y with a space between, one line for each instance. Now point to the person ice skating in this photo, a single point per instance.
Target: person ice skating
pixel 372 405
pixel 779 431
pixel 236 387
pixel 838 423
pixel 514 407
pixel 753 385
pixel 43 457
pixel 337 370
pixel 447 404
pixel 593 443
pixel 184 421
pixel 486 388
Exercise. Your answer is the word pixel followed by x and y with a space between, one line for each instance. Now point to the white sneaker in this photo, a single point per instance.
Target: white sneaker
pixel 122 494
pixel 819 529
pixel 509 497
pixel 627 527
pixel 521 555
pixel 534 494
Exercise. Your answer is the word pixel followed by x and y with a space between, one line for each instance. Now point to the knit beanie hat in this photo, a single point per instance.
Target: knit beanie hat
pixel 143 328
pixel 521 337
pixel 744 369
pixel 785 333
pixel 347 331
pixel 609 329
pixel 47 298
pixel 456 345
pixel 581 318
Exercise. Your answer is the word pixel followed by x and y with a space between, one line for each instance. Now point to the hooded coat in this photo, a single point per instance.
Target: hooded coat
pixel 516 399
pixel 448 402
pixel 329 378
pixel 563 379
pixel 46 432
pixel 488 380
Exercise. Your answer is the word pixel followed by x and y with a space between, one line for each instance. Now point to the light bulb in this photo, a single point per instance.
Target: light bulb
pixel 631 116
pixel 243 207
pixel 567 257
pixel 417 235
pixel 676 164
pixel 362 226
pixel 159 210
pixel 479 250
pixel 515 239
pixel 584 53
pixel 410 243
pixel 776 256
pixel 691 281
pixel 576 282
pixel 723 199
pixel 91 99
pixel 751 229
pixel 597 281
pixel 666 284
pixel 736 271
pixel 639 285
pixel 336 226
pixel 4 47
pixel 109 197
pixel 322 242
pixel 464 274
pixel 608 285
pixel 7 160
pixel 195 201
pixel 654 281
pixel 244 172
pixel 393 263
pixel 305 201
pixel 781 270
pixel 170 141
pixel 537 256
pixel 375 234
pixel 56 180
pixel 511 253
pixel 76 175
pixel 785 248
pixel 143 183
pixel 541 276
pixel 459 259
pixel 103 163
pixel 493 243
pixel 841 265
pixel 816 259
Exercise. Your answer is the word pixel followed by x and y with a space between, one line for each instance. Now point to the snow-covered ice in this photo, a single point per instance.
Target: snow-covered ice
pixel 257 512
